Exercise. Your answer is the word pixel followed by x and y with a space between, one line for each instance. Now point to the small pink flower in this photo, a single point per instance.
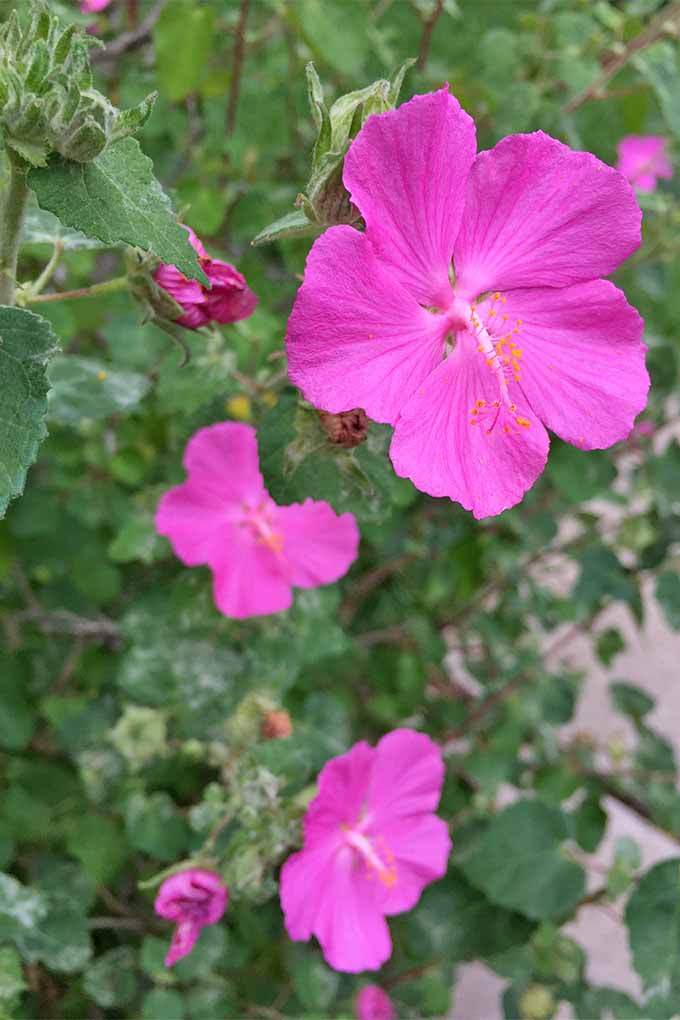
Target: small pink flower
pixel 470 315
pixel 374 1004
pixel 371 844
pixel 192 898
pixel 223 516
pixel 642 159
pixel 93 6
pixel 228 300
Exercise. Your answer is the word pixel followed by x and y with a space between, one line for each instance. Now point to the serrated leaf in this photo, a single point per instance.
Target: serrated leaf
pixel 42 227
pixel 293 224
pixel 26 345
pixel 116 198
pixel 668 597
pixel 653 920
pixel 89 388
pixel 518 862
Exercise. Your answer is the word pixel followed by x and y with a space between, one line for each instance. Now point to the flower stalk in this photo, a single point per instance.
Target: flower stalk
pixel 11 224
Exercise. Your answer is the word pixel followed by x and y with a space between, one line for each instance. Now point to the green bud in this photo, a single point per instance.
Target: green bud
pixel 537 1003
pixel 139 735
pixel 47 102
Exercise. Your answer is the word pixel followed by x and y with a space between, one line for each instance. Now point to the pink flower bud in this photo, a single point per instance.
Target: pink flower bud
pixel 192 898
pixel 374 1004
pixel 228 300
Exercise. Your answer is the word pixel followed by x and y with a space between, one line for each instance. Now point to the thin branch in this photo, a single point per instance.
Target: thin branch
pixel 667 22
pixel 236 66
pixel 129 40
pixel 64 622
pixel 426 38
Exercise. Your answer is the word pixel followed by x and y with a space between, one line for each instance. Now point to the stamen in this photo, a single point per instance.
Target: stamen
pixel 380 863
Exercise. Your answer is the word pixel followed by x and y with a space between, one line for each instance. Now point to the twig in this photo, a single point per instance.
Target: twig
pixel 667 22
pixel 95 290
pixel 129 40
pixel 365 584
pixel 236 66
pixel 64 622
pixel 426 38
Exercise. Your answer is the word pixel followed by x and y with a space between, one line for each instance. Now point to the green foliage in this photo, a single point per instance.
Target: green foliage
pixel 135 731
pixel 27 345
pixel 115 198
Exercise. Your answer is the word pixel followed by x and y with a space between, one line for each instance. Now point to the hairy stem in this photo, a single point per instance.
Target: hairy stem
pixel 11 223
pixel 95 290
pixel 237 64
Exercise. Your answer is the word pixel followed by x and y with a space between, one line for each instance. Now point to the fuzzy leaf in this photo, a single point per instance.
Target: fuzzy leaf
pixel 116 198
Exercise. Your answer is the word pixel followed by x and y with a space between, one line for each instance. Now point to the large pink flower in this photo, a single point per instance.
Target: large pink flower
pixel 228 300
pixel 642 159
pixel 192 898
pixel 223 516
pixel 372 842
pixel 470 315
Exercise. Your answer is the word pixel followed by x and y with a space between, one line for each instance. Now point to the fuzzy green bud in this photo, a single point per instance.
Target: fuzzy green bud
pixel 47 102
pixel 139 735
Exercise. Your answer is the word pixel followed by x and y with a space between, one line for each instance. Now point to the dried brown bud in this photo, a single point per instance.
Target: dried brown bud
pixel 346 429
pixel 276 725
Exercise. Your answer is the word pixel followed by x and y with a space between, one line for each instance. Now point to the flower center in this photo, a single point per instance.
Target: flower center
pixel 260 522
pixel 375 855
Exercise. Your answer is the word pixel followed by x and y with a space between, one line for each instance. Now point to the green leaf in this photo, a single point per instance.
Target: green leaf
pixel 609 644
pixel 112 980
pixel 89 388
pixel 21 908
pixel 26 344
pixel 163 1002
pixel 660 67
pixel 12 981
pixel 97 841
pixel 630 700
pixel 17 718
pixel 41 227
pixel 314 982
pixel 653 920
pixel 668 597
pixel 155 826
pixel 518 862
pixel 293 224
pixel 116 198
pixel 182 40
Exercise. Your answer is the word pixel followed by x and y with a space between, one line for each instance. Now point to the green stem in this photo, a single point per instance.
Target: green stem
pixel 95 290
pixel 47 273
pixel 11 223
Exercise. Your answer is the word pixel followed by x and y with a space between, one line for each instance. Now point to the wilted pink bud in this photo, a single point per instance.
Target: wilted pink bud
pixel 374 1004
pixel 228 300
pixel 192 898
pixel 92 6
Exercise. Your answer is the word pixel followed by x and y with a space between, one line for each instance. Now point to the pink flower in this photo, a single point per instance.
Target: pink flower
pixel 642 159
pixel 192 898
pixel 93 6
pixel 223 516
pixel 469 314
pixel 371 844
pixel 228 300
pixel 374 1004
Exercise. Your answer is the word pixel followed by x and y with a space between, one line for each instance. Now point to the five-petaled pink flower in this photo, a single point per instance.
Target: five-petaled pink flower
pixel 371 844
pixel 223 516
pixel 642 159
pixel 93 6
pixel 470 315
pixel 374 1004
pixel 228 300
pixel 192 898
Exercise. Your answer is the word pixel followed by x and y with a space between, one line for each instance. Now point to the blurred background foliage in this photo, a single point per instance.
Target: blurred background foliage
pixel 132 716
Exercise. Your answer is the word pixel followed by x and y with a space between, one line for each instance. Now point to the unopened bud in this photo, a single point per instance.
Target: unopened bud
pixel 347 429
pixel 537 1003
pixel 276 725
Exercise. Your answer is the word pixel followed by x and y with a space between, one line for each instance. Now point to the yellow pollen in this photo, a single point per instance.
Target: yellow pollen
pixel 497 296
pixel 506 428
pixel 503 300
pixel 492 312
pixel 505 317
pixel 515 331
pixel 519 322
pixel 523 422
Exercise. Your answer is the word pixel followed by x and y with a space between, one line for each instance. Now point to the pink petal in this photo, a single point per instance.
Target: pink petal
pixel 230 298
pixel 435 445
pixel 184 291
pixel 350 924
pixel 193 518
pixel 184 939
pixel 406 171
pixel 583 360
pixel 318 545
pixel 407 775
pixel 539 214
pixel 305 877
pixel 421 846
pixel 249 579
pixel 343 785
pixel 643 158
pixel 356 338
pixel 222 459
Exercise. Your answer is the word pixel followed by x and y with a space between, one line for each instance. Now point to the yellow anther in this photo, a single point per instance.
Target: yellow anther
pixel 497 296
pixel 503 300
pixel 519 322
pixel 515 331
pixel 523 422
pixel 505 317
pixel 492 312
pixel 506 428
